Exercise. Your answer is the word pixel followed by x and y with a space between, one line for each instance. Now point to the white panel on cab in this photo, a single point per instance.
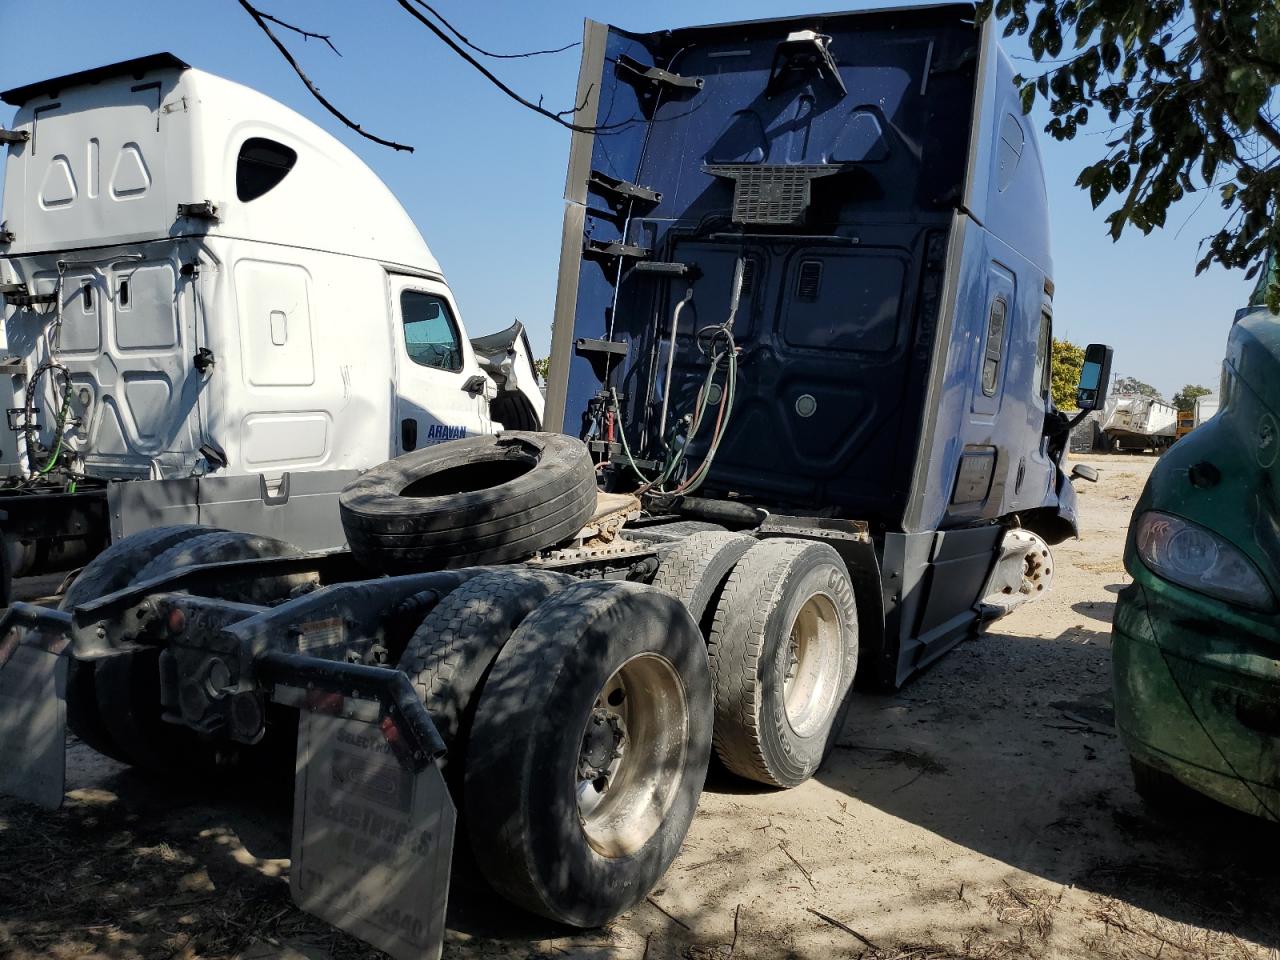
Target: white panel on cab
pixel 145 305
pixel 104 136
pixel 284 439
pixel 275 323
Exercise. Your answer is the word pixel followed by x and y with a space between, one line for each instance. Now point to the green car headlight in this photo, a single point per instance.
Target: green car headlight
pixel 1193 556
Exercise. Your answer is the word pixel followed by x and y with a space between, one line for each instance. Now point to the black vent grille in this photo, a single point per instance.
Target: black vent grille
pixel 771 193
pixel 748 277
pixel 810 282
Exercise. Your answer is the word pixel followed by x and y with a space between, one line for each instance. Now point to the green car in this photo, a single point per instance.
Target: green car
pixel 1196 637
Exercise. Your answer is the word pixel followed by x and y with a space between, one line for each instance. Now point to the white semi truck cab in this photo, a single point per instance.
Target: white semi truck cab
pixel 206 291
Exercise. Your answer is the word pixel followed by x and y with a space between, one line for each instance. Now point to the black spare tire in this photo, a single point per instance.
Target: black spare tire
pixel 481 500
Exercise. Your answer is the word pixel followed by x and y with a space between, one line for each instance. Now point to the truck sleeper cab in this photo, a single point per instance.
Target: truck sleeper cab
pixel 856 202
pixel 205 289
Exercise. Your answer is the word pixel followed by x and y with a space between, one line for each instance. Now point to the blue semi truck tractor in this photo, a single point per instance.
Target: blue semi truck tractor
pixel 814 280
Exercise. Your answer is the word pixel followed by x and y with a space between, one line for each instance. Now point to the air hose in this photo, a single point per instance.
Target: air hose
pixel 716 343
pixel 60 422
pixel 29 411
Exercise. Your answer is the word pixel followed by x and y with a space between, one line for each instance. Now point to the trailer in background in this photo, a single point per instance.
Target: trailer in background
pixel 1206 407
pixel 1135 424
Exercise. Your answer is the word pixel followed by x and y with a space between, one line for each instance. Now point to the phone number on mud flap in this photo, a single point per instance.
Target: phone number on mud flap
pixel 391 919
pixel 374 826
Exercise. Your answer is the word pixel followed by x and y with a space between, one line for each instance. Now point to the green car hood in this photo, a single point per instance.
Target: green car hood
pixel 1225 474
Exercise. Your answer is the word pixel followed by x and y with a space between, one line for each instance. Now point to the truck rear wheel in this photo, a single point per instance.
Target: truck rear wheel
pixel 590 746
pixel 128 685
pixel 216 546
pixel 783 650
pixel 482 500
pixel 108 572
pixel 449 656
pixel 695 569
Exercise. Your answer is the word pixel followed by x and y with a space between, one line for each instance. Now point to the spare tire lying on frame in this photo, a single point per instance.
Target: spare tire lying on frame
pixel 481 500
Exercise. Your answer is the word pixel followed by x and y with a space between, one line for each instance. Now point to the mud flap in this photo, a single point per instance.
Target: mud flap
pixel 372 841
pixel 33 705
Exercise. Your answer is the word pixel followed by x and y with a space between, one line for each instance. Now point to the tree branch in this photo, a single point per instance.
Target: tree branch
pixel 1267 129
pixel 488 53
pixel 535 107
pixel 261 19
pixel 305 34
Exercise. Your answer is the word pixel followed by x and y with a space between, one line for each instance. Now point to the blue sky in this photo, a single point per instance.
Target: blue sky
pixel 486 180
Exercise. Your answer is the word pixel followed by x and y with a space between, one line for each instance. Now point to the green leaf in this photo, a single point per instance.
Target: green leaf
pixel 1120 177
pixel 1028 97
pixel 1111 56
pixel 1098 191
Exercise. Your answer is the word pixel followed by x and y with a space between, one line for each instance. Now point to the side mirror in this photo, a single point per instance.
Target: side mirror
pixel 1095 377
pixel 1082 471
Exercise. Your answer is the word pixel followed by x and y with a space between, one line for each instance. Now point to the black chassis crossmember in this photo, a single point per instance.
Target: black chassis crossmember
pixel 310 646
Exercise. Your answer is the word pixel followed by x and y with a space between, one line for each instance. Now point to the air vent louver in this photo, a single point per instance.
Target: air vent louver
pixel 810 281
pixel 771 193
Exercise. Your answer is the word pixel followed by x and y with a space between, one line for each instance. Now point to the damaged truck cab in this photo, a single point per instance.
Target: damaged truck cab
pixel 207 292
pixel 828 235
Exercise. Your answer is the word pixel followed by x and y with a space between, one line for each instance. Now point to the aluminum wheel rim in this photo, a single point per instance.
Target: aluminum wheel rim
pixel 623 795
pixel 811 665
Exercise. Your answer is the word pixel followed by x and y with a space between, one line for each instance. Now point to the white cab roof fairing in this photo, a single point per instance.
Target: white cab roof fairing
pixel 111 158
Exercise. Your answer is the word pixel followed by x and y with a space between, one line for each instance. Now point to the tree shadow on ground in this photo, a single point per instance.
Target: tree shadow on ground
pixel 1032 774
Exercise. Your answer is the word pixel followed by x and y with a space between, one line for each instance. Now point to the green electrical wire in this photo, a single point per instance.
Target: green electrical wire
pixel 702 404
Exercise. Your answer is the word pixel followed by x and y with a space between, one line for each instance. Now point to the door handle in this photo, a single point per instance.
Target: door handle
pixel 408 434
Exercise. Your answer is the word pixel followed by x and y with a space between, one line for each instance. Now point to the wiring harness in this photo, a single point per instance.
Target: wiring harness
pixel 716 343
pixel 50 367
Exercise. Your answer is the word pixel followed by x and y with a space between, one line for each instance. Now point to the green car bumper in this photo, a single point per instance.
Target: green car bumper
pixel 1197 693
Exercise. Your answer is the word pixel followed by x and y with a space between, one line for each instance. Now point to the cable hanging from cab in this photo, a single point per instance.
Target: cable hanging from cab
pixel 716 343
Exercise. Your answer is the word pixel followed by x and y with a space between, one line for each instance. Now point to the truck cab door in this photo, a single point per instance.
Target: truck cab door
pixel 1042 463
pixel 440 392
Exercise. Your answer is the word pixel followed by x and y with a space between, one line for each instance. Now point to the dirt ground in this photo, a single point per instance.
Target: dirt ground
pixel 984 812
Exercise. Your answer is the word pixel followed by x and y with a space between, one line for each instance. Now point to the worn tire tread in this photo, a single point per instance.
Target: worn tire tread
pixel 738 644
pixel 695 568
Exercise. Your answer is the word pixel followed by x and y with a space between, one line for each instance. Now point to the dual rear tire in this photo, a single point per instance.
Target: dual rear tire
pixel 578 719
pixel 782 634
pixel 580 716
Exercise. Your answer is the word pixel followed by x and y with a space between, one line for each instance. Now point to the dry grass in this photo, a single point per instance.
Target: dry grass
pixel 1029 910
pixel 93 879
pixel 1129 933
